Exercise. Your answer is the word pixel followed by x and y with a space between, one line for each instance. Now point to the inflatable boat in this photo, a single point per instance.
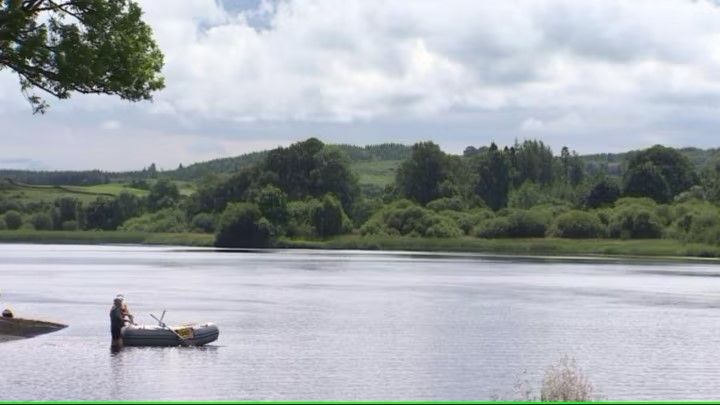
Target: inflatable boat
pixel 27 328
pixel 163 335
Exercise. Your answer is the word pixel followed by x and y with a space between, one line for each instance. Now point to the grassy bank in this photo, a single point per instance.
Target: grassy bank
pixel 538 246
pixel 100 237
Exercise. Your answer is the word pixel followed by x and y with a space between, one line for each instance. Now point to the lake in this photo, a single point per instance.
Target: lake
pixel 342 325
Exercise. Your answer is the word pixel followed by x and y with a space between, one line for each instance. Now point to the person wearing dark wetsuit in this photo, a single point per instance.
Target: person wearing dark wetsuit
pixel 116 323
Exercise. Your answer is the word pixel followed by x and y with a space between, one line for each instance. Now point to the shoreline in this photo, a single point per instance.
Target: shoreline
pixel 660 249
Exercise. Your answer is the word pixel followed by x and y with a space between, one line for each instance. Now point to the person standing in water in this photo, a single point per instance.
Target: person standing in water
pixel 127 316
pixel 117 321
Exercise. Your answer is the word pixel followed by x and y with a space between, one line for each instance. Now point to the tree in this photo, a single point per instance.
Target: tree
pixel 13 220
pixel 493 181
pixel 419 178
pixel 576 170
pixel 66 209
pixel 605 191
pixel 532 160
pixel 102 214
pixel 565 162
pixel 328 217
pixel 42 221
pixel 331 174
pixel 673 167
pixel 310 168
pixel 128 205
pixel 241 225
pixel 273 205
pixel 290 167
pixel 646 180
pixel 163 194
pixel 213 193
pixel 84 46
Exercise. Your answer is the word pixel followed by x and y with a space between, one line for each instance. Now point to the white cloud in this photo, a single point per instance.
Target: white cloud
pixel 588 73
pixel 363 59
pixel 111 125
pixel 532 124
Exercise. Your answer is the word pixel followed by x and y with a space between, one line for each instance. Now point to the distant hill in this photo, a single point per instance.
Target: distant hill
pixel 374 164
pixel 371 153
pixel 614 163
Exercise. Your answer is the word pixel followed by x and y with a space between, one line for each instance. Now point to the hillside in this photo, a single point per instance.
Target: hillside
pixel 375 165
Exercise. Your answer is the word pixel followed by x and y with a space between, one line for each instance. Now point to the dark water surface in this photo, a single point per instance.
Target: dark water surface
pixel 304 325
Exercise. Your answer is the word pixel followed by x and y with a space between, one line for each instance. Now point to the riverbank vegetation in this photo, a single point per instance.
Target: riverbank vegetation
pixel 520 198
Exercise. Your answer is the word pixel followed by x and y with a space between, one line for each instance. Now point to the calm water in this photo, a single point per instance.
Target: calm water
pixel 298 325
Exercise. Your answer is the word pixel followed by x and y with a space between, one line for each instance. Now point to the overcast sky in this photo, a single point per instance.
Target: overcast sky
pixel 246 75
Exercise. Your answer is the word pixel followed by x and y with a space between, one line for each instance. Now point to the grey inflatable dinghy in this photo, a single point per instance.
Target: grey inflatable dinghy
pixel 164 336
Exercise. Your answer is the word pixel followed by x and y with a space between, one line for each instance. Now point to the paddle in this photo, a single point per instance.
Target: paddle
pixel 161 323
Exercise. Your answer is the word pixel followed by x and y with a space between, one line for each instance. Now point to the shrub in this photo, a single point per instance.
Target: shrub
pixel 70 226
pixel 666 213
pixel 203 222
pixel 695 193
pixel 241 225
pixel 527 196
pixel 635 222
pixel 696 223
pixel 641 201
pixel 405 218
pixel 577 224
pixel 10 205
pixel 443 228
pixel 329 219
pixel 467 221
pixel 13 220
pixel 2 225
pixel 494 228
pixel 566 382
pixel 363 209
pixel 300 218
pixel 165 220
pixel 517 224
pixel 528 224
pixel 42 221
pixel 446 204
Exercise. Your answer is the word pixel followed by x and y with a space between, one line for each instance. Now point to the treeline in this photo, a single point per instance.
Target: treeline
pixel 308 190
pixel 77 178
pixel 73 178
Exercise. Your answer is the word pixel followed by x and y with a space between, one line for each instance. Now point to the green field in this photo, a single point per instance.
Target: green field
pixel 376 172
pixel 26 193
pixel 109 189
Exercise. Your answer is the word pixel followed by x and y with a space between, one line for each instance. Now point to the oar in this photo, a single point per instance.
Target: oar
pixel 161 323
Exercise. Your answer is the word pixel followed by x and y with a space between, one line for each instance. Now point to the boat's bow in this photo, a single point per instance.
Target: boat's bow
pixel 27 328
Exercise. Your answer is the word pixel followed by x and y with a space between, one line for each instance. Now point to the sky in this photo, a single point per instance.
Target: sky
pixel 248 75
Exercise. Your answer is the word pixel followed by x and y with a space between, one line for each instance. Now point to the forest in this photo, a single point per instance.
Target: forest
pixel 310 191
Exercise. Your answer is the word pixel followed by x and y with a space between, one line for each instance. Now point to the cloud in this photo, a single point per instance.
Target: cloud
pixel 111 125
pixel 532 124
pixel 318 61
pixel 22 164
pixel 595 74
